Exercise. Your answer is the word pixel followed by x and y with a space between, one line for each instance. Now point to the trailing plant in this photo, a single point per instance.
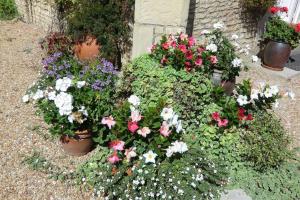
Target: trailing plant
pixel 109 21
pixel 8 9
pixel 281 31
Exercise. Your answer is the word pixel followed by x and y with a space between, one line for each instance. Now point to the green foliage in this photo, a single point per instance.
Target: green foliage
pixel 274 184
pixel 192 176
pixel 188 93
pixel 8 9
pixel 107 20
pixel 258 7
pixel 280 31
pixel 265 144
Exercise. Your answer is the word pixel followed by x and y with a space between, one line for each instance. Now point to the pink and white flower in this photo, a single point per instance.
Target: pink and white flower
pixel 130 153
pixel 117 145
pixel 135 116
pixel 164 129
pixel 213 59
pixel 144 131
pixel 109 121
pixel 114 158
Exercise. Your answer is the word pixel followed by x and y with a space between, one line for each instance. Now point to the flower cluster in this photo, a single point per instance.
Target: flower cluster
pixel 217 117
pixel 243 116
pixel 276 9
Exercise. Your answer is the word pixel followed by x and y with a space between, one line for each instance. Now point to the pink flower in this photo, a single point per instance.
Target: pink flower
pixel 182 48
pixel 173 44
pixel 117 145
pixel 109 121
pixel 132 126
pixel 198 62
pixel 189 55
pixel 216 116
pixel 144 131
pixel 130 153
pixel 200 50
pixel 183 36
pixel 213 59
pixel 135 116
pixel 153 47
pixel 222 122
pixel 164 129
pixel 165 45
pixel 164 60
pixel 188 66
pixel 192 41
pixel 114 158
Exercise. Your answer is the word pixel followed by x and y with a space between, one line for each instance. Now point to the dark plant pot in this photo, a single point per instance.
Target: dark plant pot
pixel 78 145
pixel 87 50
pixel 227 85
pixel 276 55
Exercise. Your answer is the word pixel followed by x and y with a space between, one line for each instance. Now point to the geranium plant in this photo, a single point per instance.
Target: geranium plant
pixel 281 31
pixel 71 96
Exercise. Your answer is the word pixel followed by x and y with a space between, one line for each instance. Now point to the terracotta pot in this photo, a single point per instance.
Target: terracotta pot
pixel 78 145
pixel 87 50
pixel 276 55
pixel 228 85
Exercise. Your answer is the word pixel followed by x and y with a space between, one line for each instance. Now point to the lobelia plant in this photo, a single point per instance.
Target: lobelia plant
pixel 279 30
pixel 71 96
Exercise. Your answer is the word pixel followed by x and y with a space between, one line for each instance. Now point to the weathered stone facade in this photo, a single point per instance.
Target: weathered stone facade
pixel 40 12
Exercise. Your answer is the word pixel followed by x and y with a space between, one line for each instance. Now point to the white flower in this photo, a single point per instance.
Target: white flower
pixel 52 95
pixel 212 47
pixel 25 98
pixel 254 58
pixel 167 114
pixel 80 84
pixel 234 37
pixel 237 62
pixel 254 94
pixel 179 127
pixel 150 157
pixel 205 32
pixel 134 100
pixel 38 94
pixel 274 89
pixel 175 120
pixel 176 147
pixel 242 100
pixel 63 84
pixel 219 25
pixel 63 102
pixel 144 131
pixel 268 93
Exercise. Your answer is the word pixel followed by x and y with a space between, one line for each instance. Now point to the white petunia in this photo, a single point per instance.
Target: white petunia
pixel 219 25
pixel 63 84
pixel 80 84
pixel 274 89
pixel 25 98
pixel 179 127
pixel 237 62
pixel 268 93
pixel 167 114
pixel 52 95
pixel 134 100
pixel 176 147
pixel 150 157
pixel 242 100
pixel 254 94
pixel 38 94
pixel 254 58
pixel 205 32
pixel 212 47
pixel 234 37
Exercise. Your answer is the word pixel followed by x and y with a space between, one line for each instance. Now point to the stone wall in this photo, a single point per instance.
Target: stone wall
pixel 204 13
pixel 40 12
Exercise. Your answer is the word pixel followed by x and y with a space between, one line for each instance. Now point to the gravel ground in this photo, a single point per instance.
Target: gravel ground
pixel 20 58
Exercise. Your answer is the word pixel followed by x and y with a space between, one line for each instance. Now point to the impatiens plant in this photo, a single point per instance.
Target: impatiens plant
pixel 71 96
pixel 279 30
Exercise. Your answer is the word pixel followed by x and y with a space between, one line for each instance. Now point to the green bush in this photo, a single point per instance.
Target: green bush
pixel 265 144
pixel 8 9
pixel 188 93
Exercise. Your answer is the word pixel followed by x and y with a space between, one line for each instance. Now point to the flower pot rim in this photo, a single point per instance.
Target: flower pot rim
pixel 278 41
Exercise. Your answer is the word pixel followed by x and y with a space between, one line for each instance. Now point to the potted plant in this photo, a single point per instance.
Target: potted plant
pixel 72 98
pixel 281 38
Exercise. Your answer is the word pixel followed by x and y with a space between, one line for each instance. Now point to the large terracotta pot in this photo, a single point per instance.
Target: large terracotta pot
pixel 77 145
pixel 87 50
pixel 276 55
pixel 227 85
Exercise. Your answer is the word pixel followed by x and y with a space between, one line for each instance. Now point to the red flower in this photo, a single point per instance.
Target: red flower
pixel 132 126
pixel 249 117
pixel 192 41
pixel 163 60
pixel 284 9
pixel 165 45
pixel 198 62
pixel 173 44
pixel 274 9
pixel 222 122
pixel 241 113
pixel 189 55
pixel 216 116
pixel 297 28
pixel 182 48
pixel 188 66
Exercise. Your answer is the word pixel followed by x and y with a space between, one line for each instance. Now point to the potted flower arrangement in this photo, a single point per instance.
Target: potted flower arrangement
pixel 281 37
pixel 72 98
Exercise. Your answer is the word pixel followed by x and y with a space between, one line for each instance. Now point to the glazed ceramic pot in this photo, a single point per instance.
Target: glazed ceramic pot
pixel 87 50
pixel 79 144
pixel 276 55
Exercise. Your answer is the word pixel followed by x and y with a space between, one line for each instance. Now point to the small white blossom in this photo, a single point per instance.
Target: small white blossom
pixel 63 102
pixel 25 98
pixel 52 95
pixel 254 58
pixel 212 47
pixel 38 94
pixel 234 37
pixel 80 84
pixel 63 84
pixel 242 100
pixel 254 94
pixel 237 62
pixel 167 114
pixel 134 100
pixel 150 157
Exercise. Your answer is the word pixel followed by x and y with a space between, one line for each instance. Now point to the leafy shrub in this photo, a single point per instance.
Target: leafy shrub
pixel 57 42
pixel 265 144
pixel 192 176
pixel 188 93
pixel 8 9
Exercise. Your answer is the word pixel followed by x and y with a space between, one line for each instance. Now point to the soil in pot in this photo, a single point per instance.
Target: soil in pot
pixel 276 55
pixel 87 50
pixel 79 144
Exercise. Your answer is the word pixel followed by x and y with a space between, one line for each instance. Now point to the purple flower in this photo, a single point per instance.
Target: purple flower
pixel 51 59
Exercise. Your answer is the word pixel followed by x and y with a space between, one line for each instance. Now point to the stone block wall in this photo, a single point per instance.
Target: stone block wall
pixel 40 12
pixel 204 13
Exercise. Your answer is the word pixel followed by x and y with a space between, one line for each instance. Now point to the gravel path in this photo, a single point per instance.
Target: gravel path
pixel 20 56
